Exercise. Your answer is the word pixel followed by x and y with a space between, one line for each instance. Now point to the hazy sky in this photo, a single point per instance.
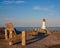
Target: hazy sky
pixel 24 13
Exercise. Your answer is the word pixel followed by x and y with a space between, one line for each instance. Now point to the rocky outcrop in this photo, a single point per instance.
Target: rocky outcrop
pixel 2 30
pixel 50 41
pixel 2 33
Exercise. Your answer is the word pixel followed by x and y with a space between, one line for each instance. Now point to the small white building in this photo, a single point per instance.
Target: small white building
pixel 43 24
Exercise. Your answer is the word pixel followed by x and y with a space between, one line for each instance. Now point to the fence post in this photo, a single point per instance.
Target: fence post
pixel 10 38
pixel 23 38
pixel 6 36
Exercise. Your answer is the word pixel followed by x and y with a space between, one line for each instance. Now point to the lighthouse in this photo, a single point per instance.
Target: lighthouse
pixel 43 24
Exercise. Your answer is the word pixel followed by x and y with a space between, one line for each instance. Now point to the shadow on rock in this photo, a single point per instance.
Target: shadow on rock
pixel 37 37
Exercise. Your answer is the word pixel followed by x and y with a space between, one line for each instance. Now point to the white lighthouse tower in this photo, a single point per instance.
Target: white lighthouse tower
pixel 43 24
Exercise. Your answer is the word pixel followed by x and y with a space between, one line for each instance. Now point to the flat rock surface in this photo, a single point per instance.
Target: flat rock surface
pixel 39 41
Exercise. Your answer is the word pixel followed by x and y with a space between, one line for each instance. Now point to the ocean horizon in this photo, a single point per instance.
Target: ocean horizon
pixel 31 28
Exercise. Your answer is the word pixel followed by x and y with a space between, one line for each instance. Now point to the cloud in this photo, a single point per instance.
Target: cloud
pixel 12 2
pixel 36 8
pixel 9 19
pixel 39 8
pixel 48 8
pixel 52 6
pixel 19 1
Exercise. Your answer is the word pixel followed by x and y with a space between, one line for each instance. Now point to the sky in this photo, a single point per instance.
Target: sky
pixel 29 13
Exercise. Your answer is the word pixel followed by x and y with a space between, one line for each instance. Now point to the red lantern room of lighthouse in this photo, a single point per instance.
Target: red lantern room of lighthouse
pixel 44 20
pixel 43 24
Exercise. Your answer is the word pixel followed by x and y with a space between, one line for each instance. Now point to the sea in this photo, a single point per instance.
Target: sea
pixel 31 28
